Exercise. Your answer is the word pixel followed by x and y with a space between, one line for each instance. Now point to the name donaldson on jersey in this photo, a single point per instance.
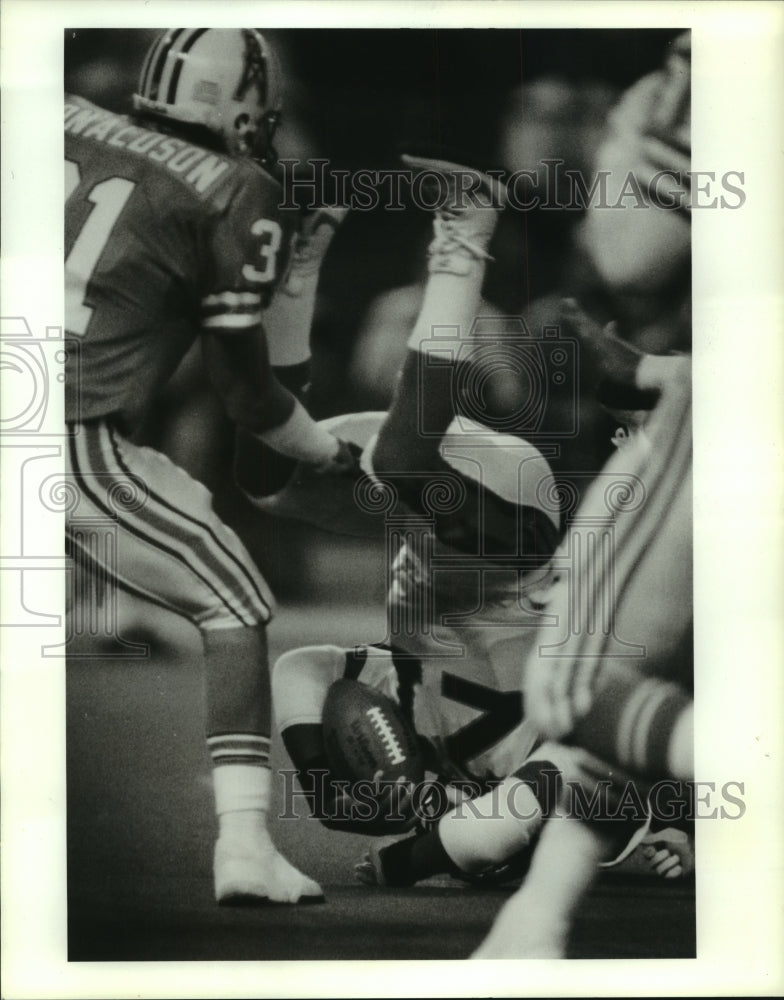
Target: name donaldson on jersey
pixel 197 167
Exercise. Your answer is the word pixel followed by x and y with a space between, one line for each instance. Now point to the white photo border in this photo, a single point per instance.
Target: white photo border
pixel 738 124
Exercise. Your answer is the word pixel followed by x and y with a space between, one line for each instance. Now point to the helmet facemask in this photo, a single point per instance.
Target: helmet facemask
pixel 252 135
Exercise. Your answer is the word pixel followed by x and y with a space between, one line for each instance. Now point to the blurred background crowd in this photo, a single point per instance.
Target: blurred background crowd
pixel 512 99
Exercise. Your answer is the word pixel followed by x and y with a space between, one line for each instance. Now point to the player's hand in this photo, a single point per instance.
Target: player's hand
pixel 344 463
pixel 396 804
pixel 614 361
pixel 668 854
pixel 324 496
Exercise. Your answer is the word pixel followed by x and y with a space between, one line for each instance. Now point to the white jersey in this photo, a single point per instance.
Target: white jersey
pixel 459 636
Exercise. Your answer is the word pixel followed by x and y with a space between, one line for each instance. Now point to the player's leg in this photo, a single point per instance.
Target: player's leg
pixel 535 921
pixel 457 260
pixel 173 550
pixel 635 710
pixel 247 866
pixel 602 817
pixel 630 715
pixel 475 836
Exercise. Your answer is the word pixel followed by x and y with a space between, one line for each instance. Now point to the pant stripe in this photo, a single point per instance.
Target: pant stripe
pixel 168 536
pixel 128 526
pixel 206 528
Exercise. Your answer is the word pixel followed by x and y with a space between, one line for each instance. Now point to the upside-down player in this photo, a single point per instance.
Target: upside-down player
pixel 476 557
pixel 173 233
pixel 463 597
pixel 467 708
pixel 455 682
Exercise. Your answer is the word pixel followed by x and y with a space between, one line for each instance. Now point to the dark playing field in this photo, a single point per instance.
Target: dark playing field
pixel 141 830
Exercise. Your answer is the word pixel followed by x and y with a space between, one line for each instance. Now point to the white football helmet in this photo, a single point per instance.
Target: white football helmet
pixel 225 80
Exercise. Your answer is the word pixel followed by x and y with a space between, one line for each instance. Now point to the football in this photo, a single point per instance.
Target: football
pixel 367 737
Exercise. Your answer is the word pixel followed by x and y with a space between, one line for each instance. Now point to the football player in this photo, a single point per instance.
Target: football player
pixel 632 712
pixel 476 541
pixel 635 713
pixel 465 594
pixel 173 233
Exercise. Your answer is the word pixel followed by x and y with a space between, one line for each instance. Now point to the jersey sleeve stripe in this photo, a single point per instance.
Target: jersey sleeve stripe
pixel 232 299
pixel 232 321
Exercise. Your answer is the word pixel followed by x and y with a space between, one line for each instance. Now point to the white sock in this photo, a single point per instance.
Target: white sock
pixel 242 795
pixel 450 301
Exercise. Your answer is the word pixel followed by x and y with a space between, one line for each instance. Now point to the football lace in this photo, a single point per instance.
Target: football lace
pixel 388 738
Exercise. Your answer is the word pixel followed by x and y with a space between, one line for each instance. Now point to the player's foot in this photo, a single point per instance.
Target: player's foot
pixel 467 202
pixel 251 873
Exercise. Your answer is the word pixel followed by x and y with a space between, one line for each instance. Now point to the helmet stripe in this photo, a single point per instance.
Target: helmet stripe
pixel 156 67
pixel 171 60
pixel 179 60
pixel 146 66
